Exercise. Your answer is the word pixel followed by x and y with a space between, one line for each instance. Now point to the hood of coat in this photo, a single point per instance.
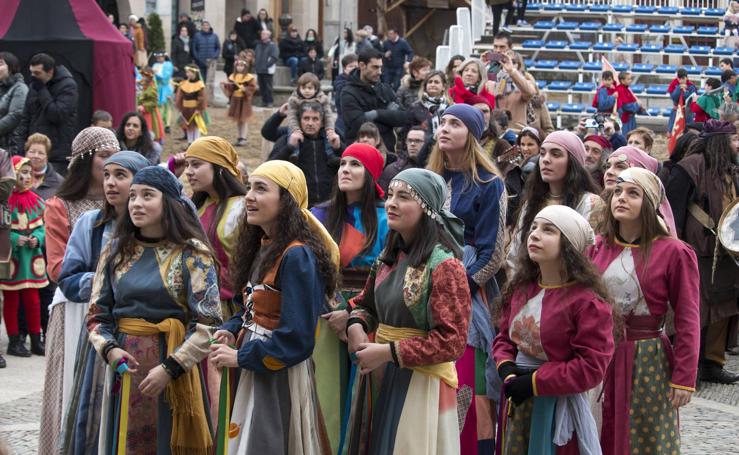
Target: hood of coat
pixel 60 73
pixel 11 80
pixel 355 78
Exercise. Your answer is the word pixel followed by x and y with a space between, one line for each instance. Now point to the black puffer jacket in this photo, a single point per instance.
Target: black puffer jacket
pixel 358 98
pixel 52 110
pixel 13 92
pixel 313 160
pixel 291 47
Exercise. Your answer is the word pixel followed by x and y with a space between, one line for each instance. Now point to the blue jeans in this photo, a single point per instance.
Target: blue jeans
pixel 392 76
pixel 292 62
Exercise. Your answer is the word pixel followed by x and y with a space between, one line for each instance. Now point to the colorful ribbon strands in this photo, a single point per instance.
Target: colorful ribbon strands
pixel 224 414
pixel 121 414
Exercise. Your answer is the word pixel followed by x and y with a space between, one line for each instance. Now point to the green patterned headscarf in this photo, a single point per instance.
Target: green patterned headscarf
pixel 430 191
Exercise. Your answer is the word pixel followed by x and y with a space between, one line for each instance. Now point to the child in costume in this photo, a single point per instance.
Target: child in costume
pixel 28 267
pixel 191 101
pixel 606 97
pixel 706 107
pixel 147 101
pixel 163 71
pixel 240 89
pixel 628 105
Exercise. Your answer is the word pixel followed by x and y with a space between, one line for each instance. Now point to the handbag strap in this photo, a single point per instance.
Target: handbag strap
pixel 702 217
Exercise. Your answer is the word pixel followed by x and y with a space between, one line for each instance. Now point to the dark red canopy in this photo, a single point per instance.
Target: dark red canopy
pixel 79 36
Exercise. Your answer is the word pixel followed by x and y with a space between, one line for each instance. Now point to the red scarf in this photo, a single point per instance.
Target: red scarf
pixel 610 92
pixel 675 82
pixel 460 94
pixel 24 201
pixel 625 96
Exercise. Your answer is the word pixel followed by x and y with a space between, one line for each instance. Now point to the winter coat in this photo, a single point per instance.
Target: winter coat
pixel 408 91
pixel 13 92
pixel 229 52
pixel 359 98
pixel 52 182
pixel 205 46
pixel 317 45
pixel 52 111
pixel 313 160
pixel 291 47
pixel 180 56
pixel 248 32
pixel 311 66
pixel 400 52
pixel 266 55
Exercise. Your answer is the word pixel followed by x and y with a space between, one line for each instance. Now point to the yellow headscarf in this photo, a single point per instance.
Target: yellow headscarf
pixel 215 150
pixel 291 178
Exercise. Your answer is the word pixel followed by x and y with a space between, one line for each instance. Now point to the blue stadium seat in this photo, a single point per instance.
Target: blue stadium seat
pixel 576 7
pixel 627 47
pixel 701 50
pixel 559 85
pixel 604 47
pixel 545 64
pixel 642 68
pixel 570 65
pixel 723 51
pixel 701 91
pixel 668 10
pixel 590 26
pixel 691 11
pixel 713 71
pixel 534 6
pixel 693 69
pixel 552 106
pixel 659 89
pixel 592 66
pixel 714 12
pixel 620 66
pixel 567 25
pixel 591 110
pixel 659 29
pixel 621 8
pixel 583 87
pixel 666 69
pixel 653 111
pixel 613 27
pixel 541 84
pixel 667 112
pixel 675 49
pixel 545 25
pixel 644 9
pixel 637 88
pixel 652 48
pixel 555 44
pixel 581 45
pixel 683 29
pixel 529 62
pixel 573 107
pixel 553 7
pixel 637 28
pixel 599 8
pixel 532 44
pixel 707 30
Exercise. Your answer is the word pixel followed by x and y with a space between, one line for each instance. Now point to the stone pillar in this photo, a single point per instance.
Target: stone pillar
pixel 215 14
pixel 337 14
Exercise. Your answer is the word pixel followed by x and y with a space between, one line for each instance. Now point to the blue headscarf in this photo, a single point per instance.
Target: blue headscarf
pixel 133 161
pixel 163 180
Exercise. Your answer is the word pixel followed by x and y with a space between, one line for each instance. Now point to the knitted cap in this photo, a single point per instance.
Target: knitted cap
pixel 93 139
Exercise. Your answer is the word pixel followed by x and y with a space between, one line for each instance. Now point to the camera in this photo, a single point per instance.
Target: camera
pixel 597 122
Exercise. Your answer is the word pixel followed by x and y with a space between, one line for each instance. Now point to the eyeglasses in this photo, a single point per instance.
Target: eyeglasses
pixel 414 141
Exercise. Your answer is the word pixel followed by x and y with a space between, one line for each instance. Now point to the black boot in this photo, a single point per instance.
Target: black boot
pixel 712 372
pixel 37 346
pixel 2 361
pixel 17 348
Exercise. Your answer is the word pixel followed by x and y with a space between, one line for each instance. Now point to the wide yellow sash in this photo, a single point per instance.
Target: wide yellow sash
pixel 190 434
pixel 446 371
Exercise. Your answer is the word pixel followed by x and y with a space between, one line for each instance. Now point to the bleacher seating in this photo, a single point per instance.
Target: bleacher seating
pixel 624 10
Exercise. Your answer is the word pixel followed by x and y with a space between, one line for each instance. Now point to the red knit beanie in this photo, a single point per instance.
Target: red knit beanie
pixel 372 160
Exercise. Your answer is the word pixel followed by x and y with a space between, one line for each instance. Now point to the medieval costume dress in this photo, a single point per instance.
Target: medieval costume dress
pixel 276 408
pixel 240 90
pixel 637 412
pixel 148 102
pixel 423 313
pixel 161 306
pixel 334 376
pixel 90 235
pixel 163 72
pixel 190 100
pixel 66 318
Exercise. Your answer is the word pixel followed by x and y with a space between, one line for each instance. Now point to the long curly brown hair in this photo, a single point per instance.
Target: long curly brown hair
pixel 292 227
pixel 574 266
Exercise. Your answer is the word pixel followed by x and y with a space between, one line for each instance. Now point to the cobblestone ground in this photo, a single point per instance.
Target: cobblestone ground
pixel 709 424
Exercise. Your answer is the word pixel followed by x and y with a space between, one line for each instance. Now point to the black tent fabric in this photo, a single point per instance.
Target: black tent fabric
pixel 79 36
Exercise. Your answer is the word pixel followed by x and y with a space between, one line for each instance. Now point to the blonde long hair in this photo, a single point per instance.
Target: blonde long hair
pixel 474 156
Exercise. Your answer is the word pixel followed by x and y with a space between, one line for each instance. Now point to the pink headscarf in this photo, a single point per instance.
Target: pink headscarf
pixel 637 158
pixel 569 142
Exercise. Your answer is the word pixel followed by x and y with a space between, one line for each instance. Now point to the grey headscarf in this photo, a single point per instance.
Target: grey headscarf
pixel 430 191
pixel 133 161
